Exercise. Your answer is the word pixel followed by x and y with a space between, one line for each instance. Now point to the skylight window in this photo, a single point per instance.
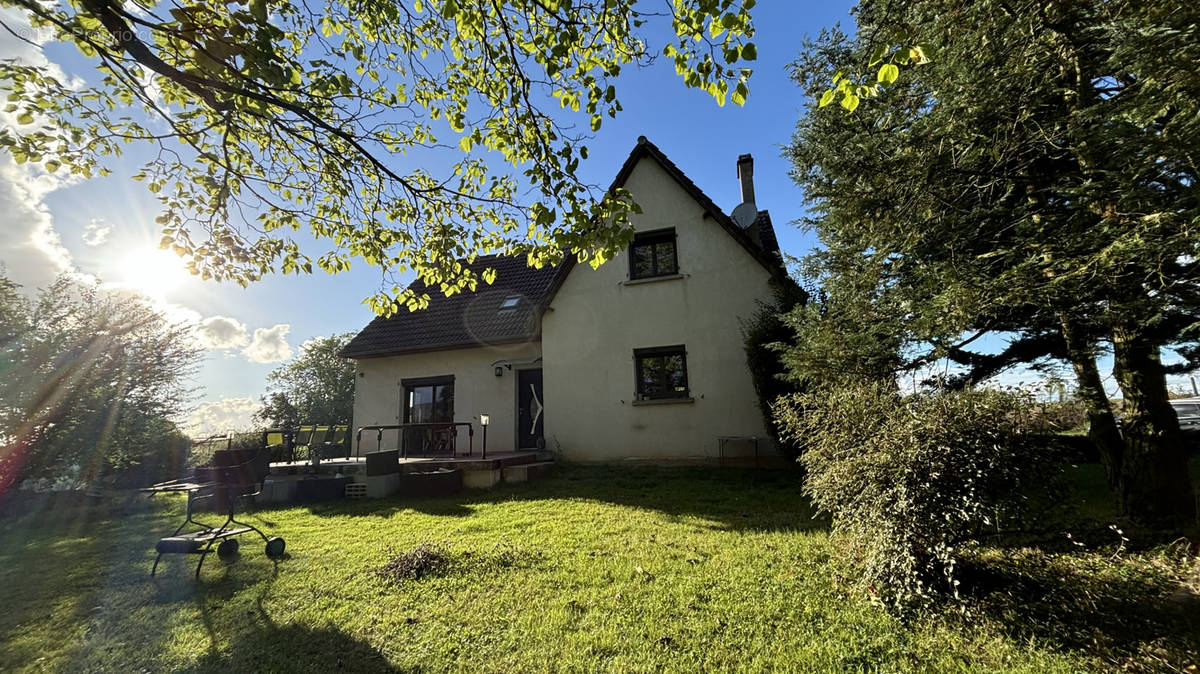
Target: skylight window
pixel 509 305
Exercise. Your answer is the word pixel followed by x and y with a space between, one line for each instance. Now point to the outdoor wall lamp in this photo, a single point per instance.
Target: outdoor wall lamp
pixel 484 420
pixel 499 371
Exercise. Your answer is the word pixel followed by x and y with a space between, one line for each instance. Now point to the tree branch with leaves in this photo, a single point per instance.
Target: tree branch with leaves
pixel 270 117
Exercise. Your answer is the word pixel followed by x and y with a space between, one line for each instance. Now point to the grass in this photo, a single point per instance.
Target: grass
pixel 600 569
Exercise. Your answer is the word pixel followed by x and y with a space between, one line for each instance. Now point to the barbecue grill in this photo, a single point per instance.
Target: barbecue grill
pixel 233 476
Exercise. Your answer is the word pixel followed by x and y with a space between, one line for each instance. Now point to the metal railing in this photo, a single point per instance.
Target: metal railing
pixel 432 426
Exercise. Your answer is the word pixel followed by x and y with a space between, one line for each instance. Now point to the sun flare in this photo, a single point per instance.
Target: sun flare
pixel 152 271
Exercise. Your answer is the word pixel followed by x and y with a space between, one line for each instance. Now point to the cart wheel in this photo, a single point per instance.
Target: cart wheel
pixel 275 547
pixel 227 548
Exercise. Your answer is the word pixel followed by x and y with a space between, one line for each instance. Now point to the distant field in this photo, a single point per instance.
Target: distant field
pixel 592 569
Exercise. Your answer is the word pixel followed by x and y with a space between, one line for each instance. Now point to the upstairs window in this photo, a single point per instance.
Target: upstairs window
pixel 661 372
pixel 653 254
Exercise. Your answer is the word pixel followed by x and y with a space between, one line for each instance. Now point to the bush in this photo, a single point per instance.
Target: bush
pixel 910 479
pixel 1061 416
pixel 764 334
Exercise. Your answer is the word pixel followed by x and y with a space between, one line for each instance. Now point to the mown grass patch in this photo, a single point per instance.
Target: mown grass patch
pixel 610 569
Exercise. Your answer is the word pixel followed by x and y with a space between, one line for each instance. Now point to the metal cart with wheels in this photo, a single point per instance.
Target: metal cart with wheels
pixel 234 476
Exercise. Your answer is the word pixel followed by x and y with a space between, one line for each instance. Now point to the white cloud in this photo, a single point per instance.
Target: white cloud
pixel 269 345
pixel 95 232
pixel 30 248
pixel 222 332
pixel 218 416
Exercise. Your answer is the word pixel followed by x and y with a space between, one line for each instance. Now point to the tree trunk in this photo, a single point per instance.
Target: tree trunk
pixel 1154 488
pixel 1102 428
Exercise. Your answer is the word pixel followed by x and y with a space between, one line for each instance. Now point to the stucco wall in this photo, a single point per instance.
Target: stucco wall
pixel 476 389
pixel 596 321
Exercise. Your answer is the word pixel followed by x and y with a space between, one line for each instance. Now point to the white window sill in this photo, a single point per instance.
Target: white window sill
pixel 652 279
pixel 664 401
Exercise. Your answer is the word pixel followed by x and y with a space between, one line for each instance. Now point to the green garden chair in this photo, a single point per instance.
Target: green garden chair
pixel 302 447
pixel 336 445
pixel 276 442
pixel 317 443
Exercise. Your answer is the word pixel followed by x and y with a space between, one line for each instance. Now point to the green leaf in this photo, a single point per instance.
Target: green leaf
pixel 258 9
pixel 826 98
pixel 850 101
pixel 888 73
pixel 878 54
pixel 749 52
pixel 739 94
pixel 25 118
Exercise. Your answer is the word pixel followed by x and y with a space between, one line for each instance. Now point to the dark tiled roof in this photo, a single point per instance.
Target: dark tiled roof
pixel 765 233
pixel 464 319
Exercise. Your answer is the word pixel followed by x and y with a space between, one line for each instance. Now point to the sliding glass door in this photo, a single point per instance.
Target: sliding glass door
pixel 428 400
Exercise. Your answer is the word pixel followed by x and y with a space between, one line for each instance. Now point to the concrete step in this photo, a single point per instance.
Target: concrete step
pixel 526 471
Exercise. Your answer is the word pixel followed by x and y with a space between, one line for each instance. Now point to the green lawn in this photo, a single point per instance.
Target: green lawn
pixel 592 569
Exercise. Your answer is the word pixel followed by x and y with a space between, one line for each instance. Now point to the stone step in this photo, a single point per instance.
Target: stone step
pixel 526 471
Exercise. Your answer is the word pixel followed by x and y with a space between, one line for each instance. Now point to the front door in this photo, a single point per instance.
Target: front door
pixel 529 410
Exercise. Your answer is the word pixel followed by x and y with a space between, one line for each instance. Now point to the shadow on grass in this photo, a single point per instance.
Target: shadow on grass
pixel 294 648
pixel 56 563
pixel 260 645
pixel 732 499
pixel 1127 612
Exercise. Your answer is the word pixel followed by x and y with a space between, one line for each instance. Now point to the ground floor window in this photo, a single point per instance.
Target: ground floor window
pixel 661 372
pixel 428 400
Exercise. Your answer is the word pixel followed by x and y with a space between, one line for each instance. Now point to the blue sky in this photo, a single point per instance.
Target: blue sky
pixel 105 227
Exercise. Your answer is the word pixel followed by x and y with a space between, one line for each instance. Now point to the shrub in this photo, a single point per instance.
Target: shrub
pixel 910 479
pixel 1061 416
pixel 764 334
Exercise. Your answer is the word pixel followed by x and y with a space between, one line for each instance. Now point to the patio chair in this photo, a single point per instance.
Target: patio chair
pixel 443 439
pixel 278 444
pixel 316 444
pixel 300 447
pixel 337 446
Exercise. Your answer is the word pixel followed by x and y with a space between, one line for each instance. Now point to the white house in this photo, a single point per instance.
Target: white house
pixel 642 358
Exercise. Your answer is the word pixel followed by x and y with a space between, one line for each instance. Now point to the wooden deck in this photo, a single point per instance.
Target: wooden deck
pixel 357 464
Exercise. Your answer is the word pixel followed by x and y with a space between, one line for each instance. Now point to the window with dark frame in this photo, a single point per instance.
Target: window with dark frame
pixel 653 254
pixel 661 373
pixel 428 400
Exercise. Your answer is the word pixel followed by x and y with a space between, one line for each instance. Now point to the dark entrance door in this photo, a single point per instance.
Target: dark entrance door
pixel 529 410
